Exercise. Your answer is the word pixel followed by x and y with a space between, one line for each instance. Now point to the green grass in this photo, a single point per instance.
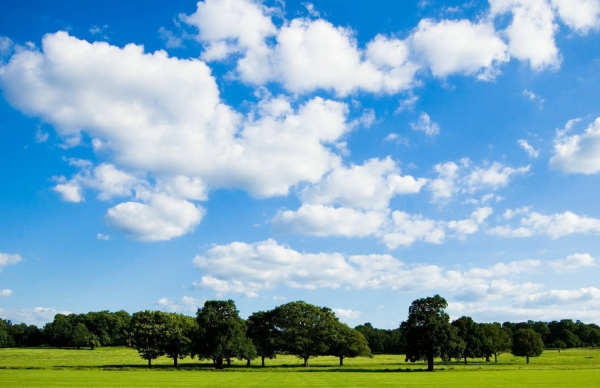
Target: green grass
pixel 122 367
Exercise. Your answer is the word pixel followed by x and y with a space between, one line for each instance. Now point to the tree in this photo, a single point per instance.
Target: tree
pixel 264 335
pixel 6 338
pixel 81 335
pixel 472 336
pixel 349 343
pixel 306 331
pixel 177 336
pixel 496 340
pixel 427 329
pixel 558 345
pixel 527 343
pixel 59 332
pixel 148 332
pixel 222 333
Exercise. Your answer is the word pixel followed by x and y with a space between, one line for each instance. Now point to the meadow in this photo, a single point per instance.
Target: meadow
pixel 121 367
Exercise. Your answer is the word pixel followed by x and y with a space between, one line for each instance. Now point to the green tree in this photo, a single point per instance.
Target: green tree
pixel 558 345
pixel 177 336
pixel 81 335
pixel 472 336
pixel 222 333
pixel 306 331
pixel 349 343
pixel 264 335
pixel 527 343
pixel 59 332
pixel 497 340
pixel 6 338
pixel 147 334
pixel 427 329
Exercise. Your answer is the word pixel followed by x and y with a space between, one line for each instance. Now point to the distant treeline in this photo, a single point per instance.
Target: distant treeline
pixel 218 333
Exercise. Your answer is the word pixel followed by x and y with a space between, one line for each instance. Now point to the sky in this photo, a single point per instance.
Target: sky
pixel 355 155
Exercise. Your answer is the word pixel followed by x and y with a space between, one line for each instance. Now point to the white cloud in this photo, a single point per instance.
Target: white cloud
pixel 492 177
pixel 370 186
pixel 7 259
pixel 532 152
pixel 405 229
pixel 319 220
pixel 531 32
pixel 186 304
pixel 70 192
pixel 580 15
pixel 36 316
pixel 426 125
pixel 555 225
pixel 101 236
pixel 307 54
pixel 560 297
pixel 242 268
pixel 573 262
pixel 465 177
pixel 577 153
pixel 162 218
pixel 485 312
pixel 347 314
pixel 5 292
pixel 442 46
pixel 6 48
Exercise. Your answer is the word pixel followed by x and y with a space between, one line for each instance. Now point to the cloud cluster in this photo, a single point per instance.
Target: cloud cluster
pixel 35 316
pixel 186 304
pixel 251 268
pixel 555 225
pixel 465 177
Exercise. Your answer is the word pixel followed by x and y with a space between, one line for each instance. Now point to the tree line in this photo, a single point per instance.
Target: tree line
pixel 217 333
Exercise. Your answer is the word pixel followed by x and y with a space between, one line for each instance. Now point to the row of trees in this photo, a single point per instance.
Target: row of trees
pixel 218 333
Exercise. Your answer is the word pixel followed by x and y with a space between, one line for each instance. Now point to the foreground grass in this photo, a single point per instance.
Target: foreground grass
pixel 122 367
pixel 97 378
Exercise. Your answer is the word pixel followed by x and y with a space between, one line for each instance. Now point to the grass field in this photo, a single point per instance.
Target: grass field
pixel 121 367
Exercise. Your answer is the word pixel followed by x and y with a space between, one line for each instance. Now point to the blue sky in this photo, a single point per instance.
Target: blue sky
pixel 350 154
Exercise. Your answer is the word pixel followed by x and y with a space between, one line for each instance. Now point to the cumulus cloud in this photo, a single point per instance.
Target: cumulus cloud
pixel 441 46
pixel 161 218
pixel 7 259
pixel 465 177
pixel 369 186
pixel 320 220
pixel 577 153
pixel 531 31
pixel 561 297
pixel 580 15
pixel 426 125
pixel 555 225
pixel 307 54
pixel 573 262
pixel 186 304
pixel 346 314
pixel 5 292
pixel 251 268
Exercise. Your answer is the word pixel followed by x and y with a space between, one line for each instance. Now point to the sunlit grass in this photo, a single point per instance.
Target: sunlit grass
pixel 122 367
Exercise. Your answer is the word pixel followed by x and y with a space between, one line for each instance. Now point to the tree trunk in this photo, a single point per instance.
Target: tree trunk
pixel 528 360
pixel 559 350
pixel 149 362
pixel 341 360
pixel 305 362
pixel 487 358
pixel 219 364
pixel 465 360
pixel 248 362
pixel 496 358
pixel 228 362
pixel 430 363
pixel 175 361
pixel 263 360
